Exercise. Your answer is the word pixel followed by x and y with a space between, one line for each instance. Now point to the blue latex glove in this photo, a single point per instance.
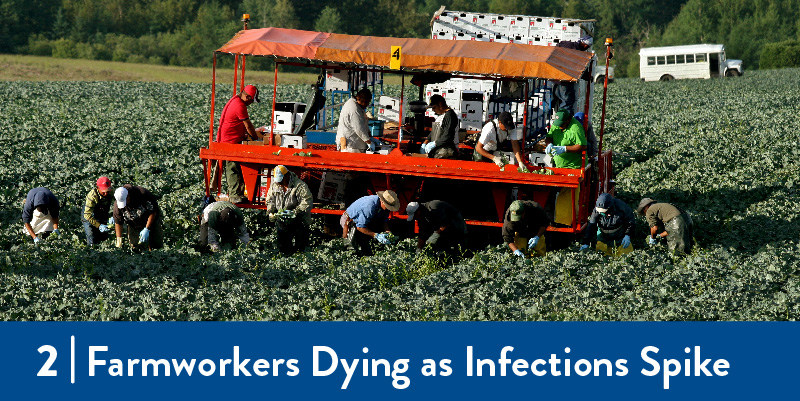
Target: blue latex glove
pixel 533 242
pixel 36 240
pixel 585 248
pixel 144 235
pixel 56 232
pixel 374 142
pixel 110 221
pixel 548 149
pixel 426 148
pixel 103 228
pixel 383 238
pixel 433 239
pixel 519 253
pixel 559 149
pixel 653 241
pixel 626 241
pixel 287 215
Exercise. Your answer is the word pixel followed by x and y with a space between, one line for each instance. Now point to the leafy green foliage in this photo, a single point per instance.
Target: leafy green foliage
pixel 724 150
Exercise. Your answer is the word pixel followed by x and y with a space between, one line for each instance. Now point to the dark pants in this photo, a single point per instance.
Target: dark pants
pixel 93 235
pixel 360 242
pixel 451 242
pixel 156 240
pixel 226 238
pixel 292 236
pixel 234 178
pixel 679 234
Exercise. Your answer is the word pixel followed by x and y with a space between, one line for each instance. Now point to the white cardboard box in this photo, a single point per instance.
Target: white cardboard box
pixel 332 186
pixel 540 159
pixel 293 141
pixel 337 80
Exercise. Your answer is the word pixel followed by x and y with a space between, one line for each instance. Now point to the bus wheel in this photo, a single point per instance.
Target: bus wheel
pixel 600 79
pixel 732 73
pixel 666 77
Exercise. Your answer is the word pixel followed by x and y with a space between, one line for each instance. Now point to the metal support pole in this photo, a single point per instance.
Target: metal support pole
pixel 609 56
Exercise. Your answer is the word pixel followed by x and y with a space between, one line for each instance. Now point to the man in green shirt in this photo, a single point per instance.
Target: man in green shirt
pixel 566 140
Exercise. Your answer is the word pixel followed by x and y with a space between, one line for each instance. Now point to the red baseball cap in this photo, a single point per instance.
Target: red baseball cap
pixel 252 91
pixel 103 183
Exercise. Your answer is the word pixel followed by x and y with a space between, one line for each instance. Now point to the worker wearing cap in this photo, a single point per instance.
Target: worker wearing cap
pixel 440 226
pixel 289 203
pixel 524 225
pixel 137 208
pixel 612 224
pixel 234 127
pixel 443 139
pixel 668 221
pixel 40 214
pixel 368 218
pixel 566 140
pixel 353 133
pixel 221 224
pixel 96 211
pixel 493 134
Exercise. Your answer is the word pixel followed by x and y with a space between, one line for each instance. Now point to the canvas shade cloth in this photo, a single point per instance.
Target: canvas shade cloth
pixel 508 60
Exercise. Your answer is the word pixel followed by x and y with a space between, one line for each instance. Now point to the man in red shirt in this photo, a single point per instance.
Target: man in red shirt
pixel 234 127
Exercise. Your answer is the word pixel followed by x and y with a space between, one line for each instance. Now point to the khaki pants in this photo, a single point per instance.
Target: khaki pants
pixel 539 250
pixel 233 178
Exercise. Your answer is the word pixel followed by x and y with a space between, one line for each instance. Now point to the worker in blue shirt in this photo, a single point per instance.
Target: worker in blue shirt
pixel 367 218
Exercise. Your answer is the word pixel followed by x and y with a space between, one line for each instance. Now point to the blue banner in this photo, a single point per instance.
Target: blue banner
pixel 398 360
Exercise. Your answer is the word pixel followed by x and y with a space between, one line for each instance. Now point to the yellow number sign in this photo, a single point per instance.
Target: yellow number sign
pixel 394 59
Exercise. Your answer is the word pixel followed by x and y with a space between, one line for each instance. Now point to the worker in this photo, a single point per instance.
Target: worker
pixel 137 208
pixel 493 134
pixel 612 224
pixel 40 214
pixel 670 222
pixel 591 139
pixel 353 133
pixel 234 127
pixel 440 226
pixel 524 225
pixel 289 203
pixel 566 140
pixel 367 218
pixel 96 211
pixel 443 139
pixel 221 224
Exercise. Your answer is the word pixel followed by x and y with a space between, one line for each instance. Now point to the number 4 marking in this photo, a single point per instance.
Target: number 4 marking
pixel 394 57
pixel 45 370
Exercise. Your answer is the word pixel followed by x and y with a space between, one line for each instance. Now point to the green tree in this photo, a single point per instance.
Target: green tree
pixel 283 15
pixel 328 21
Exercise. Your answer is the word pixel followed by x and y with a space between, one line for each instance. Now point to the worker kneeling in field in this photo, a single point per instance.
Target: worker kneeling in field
pixel 524 225
pixel 221 224
pixel 668 221
pixel 289 202
pixel 96 212
pixel 137 208
pixel 40 214
pixel 367 218
pixel 493 134
pixel 440 226
pixel 612 224
pixel 442 141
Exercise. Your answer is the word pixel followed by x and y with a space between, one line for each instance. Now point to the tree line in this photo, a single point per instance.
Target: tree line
pixel 185 32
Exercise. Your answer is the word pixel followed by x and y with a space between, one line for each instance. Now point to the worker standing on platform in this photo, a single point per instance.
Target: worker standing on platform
pixel 442 141
pixel 612 224
pixel 234 127
pixel 352 133
pixel 40 214
pixel 493 134
pixel 566 140
pixel 289 203
pixel 668 221
pixel 524 225
pixel 221 224
pixel 367 218
pixel 440 226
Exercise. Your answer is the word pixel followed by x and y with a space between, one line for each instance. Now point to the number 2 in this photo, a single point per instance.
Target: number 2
pixel 45 370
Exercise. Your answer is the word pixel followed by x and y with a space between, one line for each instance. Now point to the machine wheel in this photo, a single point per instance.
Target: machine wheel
pixel 732 73
pixel 600 79
pixel 666 77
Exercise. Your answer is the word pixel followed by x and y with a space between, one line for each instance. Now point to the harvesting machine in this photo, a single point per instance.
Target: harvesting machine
pixel 481 191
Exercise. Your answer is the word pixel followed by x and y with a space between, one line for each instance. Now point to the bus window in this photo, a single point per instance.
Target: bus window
pixel 680 59
pixel 671 59
pixel 700 58
pixel 661 60
pixel 690 58
pixel 651 60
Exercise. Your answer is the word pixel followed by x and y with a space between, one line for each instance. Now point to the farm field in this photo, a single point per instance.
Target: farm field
pixel 725 150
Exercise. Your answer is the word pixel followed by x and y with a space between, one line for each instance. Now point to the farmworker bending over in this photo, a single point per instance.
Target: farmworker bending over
pixel 367 218
pixel 96 212
pixel 440 226
pixel 138 208
pixel 668 221
pixel 221 224
pixel 493 134
pixel 234 127
pixel 566 140
pixel 611 224
pixel 352 134
pixel 40 214
pixel 441 143
pixel 524 225
pixel 289 202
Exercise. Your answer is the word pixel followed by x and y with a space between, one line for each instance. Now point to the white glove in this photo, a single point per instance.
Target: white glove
pixel 498 161
pixel 652 240
pixel 103 228
pixel 214 247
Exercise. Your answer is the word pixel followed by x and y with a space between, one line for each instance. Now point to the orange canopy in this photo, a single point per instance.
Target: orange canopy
pixel 510 60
